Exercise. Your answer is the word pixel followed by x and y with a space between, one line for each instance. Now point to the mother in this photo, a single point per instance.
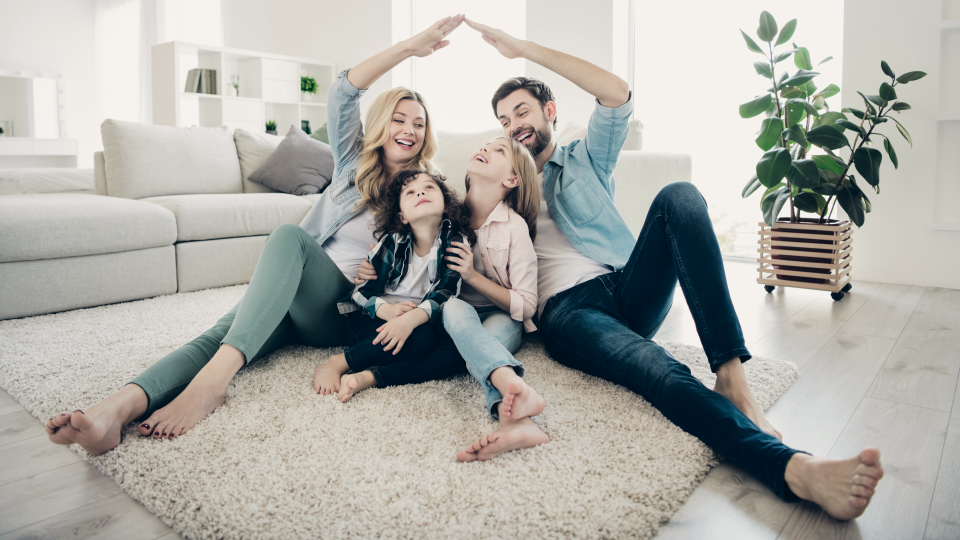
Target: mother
pixel 301 272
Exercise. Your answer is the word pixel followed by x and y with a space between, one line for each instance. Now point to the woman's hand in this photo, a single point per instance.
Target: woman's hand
pixel 507 45
pixel 431 40
pixel 395 332
pixel 461 260
pixel 389 312
pixel 365 272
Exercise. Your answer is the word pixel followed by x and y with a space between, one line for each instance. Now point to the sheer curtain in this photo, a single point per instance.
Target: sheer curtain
pixel 692 72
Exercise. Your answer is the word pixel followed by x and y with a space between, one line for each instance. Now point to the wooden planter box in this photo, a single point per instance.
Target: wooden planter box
pixel 806 255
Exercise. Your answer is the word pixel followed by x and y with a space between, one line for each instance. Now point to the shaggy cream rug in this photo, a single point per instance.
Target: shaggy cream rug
pixel 279 461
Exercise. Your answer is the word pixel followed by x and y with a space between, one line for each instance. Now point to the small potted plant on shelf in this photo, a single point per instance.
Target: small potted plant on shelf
pixel 235 84
pixel 272 127
pixel 308 86
pixel 818 248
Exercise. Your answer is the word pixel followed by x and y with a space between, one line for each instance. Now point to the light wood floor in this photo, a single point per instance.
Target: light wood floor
pixel 879 368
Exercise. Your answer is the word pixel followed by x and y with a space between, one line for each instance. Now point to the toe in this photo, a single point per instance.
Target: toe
pixel 144 429
pixel 861 491
pixel 859 502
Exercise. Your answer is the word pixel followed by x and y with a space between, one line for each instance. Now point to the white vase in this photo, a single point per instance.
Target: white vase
pixel 234 91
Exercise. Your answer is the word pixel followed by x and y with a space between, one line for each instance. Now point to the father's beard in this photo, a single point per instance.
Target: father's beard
pixel 538 141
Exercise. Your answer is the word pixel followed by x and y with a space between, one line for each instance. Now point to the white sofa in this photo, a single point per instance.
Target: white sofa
pixel 174 211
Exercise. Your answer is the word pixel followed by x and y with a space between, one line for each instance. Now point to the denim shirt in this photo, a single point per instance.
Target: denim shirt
pixel 338 203
pixel 579 188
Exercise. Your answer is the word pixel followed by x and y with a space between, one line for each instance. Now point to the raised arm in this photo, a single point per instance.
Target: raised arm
pixel 423 44
pixel 610 90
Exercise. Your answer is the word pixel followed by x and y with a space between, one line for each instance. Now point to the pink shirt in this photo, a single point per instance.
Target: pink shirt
pixel 510 261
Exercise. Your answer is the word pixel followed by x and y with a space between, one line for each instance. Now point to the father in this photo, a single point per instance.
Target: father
pixel 603 295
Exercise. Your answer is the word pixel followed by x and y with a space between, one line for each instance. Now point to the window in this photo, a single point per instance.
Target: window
pixel 692 71
pixel 458 82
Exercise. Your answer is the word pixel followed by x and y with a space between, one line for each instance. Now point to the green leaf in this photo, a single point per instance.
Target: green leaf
pixel 828 184
pixel 795 112
pixel 781 185
pixel 890 151
pixel 887 93
pixel 851 200
pixel 901 106
pixel 807 106
pixel 866 102
pixel 773 166
pixel 800 78
pixel 769 133
pixel 827 59
pixel 903 131
pixel 790 93
pixel 809 202
pixel 867 161
pixel 830 91
pixel 827 137
pixel 752 185
pixel 768 27
pixel 830 118
pixel 787 32
pixel 763 68
pixel 876 119
pixel 755 107
pixel 783 56
pixel 809 88
pixel 879 101
pixel 856 112
pixel 851 126
pixel 910 76
pixel 751 44
pixel 827 163
pixel 773 203
pixel 886 69
pixel 803 173
pixel 802 58
pixel 795 134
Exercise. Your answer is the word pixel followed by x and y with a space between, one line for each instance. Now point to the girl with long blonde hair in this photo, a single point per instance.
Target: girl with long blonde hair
pixel 302 271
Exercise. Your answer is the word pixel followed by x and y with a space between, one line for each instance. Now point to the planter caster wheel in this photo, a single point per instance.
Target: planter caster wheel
pixel 847 287
pixel 836 295
pixel 769 288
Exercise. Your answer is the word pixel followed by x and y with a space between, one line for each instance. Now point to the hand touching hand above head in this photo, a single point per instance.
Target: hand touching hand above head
pixel 505 44
pixel 431 40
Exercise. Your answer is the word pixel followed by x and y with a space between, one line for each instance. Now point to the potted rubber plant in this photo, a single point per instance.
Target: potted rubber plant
pixel 801 168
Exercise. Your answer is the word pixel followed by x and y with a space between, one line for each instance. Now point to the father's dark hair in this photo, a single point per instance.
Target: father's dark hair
pixel 538 88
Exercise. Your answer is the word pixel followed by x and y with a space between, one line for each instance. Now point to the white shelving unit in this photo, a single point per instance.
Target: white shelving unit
pixel 269 88
pixel 947 187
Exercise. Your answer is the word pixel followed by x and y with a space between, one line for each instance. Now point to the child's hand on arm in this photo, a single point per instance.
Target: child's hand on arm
pixel 396 331
pixel 461 260
pixel 389 312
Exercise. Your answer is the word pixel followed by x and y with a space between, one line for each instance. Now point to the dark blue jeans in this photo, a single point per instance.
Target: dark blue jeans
pixel 428 353
pixel 603 327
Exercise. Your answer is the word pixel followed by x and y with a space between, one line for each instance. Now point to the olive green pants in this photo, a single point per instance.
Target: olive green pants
pixel 292 299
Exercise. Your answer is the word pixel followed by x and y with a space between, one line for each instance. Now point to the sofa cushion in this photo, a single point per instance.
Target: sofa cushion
pixel 299 166
pixel 205 217
pixel 46 180
pixel 573 131
pixel 253 149
pixel 55 225
pixel 144 160
pixel 454 154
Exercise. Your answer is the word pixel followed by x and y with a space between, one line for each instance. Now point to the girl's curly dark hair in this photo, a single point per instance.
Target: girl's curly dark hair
pixel 387 209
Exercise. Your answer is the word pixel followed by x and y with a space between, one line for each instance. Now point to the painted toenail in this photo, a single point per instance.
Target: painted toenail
pixel 145 426
pixel 79 411
pixel 156 433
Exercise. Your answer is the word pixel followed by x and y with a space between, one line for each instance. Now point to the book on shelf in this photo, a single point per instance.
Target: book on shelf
pixel 201 81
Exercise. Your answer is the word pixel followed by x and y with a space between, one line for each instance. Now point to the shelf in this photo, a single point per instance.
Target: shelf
pixel 241 98
pixel 950 26
pixel 312 104
pixel 199 95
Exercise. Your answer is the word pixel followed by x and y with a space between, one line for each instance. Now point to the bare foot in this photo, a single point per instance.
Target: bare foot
pixel 842 487
pixel 200 398
pixel 520 401
pixel 354 383
pixel 98 429
pixel 326 376
pixel 732 384
pixel 512 435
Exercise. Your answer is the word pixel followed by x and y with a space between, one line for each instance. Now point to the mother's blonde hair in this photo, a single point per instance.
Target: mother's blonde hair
pixel 369 177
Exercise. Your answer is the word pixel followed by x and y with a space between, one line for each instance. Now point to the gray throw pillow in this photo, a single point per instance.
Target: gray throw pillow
pixel 300 165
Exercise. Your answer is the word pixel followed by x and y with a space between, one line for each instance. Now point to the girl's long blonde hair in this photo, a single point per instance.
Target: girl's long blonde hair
pixel 525 198
pixel 369 177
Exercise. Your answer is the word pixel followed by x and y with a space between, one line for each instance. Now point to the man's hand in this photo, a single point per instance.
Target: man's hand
pixel 366 271
pixel 389 312
pixel 395 333
pixel 461 260
pixel 431 40
pixel 505 44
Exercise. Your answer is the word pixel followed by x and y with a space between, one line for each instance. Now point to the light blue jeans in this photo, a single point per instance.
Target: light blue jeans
pixel 486 338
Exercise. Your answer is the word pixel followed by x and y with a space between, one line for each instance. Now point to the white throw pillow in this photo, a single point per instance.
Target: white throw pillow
pixel 571 132
pixel 253 149
pixel 144 160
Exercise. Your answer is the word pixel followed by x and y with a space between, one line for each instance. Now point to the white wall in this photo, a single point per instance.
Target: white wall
pixel 582 29
pixel 897 244
pixel 345 33
pixel 56 36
